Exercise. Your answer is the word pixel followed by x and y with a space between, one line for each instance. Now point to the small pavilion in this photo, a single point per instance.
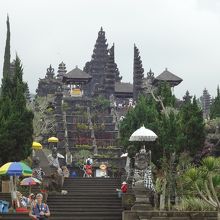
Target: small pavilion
pixel 167 76
pixel 76 80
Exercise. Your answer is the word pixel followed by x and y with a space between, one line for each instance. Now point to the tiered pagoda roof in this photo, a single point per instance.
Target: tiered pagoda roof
pixel 61 70
pixel 138 74
pixel 110 74
pixel 76 75
pixel 167 76
pixel 122 87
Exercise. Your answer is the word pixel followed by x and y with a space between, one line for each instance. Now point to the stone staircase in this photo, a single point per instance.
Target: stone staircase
pixel 87 199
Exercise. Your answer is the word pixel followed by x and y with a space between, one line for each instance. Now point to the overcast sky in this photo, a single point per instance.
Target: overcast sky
pixel 182 35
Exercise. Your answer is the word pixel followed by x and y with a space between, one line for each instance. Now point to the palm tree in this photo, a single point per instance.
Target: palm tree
pixel 206 180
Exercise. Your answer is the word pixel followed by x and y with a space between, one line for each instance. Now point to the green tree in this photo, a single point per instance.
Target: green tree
pixel 6 80
pixel 215 107
pixel 7 56
pixel 192 126
pixel 16 122
pixel 144 113
pixel 205 180
pixel 164 91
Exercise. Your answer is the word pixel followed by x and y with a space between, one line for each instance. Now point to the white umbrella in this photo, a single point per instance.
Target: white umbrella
pixel 58 155
pixel 143 134
pixel 124 155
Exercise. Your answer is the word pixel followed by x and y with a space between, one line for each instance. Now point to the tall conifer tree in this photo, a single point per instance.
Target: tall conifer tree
pixel 6 81
pixel 192 126
pixel 7 56
pixel 215 107
pixel 16 121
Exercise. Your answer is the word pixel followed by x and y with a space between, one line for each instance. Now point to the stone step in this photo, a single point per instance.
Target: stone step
pixel 97 195
pixel 84 204
pixel 78 195
pixel 85 209
pixel 93 179
pixel 83 199
pixel 92 185
pixel 94 216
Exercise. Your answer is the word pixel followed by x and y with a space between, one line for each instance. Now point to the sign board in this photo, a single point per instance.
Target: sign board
pixel 100 173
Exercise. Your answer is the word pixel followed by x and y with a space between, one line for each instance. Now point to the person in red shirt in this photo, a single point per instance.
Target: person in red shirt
pixel 124 187
pixel 88 168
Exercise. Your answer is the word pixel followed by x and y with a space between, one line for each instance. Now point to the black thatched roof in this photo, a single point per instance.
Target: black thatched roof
pixel 76 74
pixel 168 77
pixel 121 87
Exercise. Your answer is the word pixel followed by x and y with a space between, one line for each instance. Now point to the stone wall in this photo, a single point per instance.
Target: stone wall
pixel 171 215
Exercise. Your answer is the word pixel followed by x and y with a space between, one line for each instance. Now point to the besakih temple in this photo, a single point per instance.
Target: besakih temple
pixel 101 76
pixel 81 122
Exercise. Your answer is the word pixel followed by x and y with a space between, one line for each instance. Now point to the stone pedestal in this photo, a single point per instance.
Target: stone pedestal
pixel 142 197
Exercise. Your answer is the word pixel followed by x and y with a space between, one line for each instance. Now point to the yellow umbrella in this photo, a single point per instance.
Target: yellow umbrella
pixel 53 140
pixel 36 146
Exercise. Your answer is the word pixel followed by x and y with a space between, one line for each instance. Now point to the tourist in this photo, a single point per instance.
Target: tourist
pixel 88 170
pixel 22 201
pixel 124 187
pixel 89 161
pixel 66 172
pixel 31 200
pixel 40 210
pixel 88 167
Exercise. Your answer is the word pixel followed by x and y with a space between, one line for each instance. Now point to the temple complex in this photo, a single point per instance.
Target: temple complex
pixel 89 103
pixel 101 76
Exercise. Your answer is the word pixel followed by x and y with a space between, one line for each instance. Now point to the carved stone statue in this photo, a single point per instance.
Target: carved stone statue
pixel 142 193
pixel 141 160
pixel 141 163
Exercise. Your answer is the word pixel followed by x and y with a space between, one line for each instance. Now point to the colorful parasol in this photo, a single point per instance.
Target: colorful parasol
pixel 53 140
pixel 15 169
pixel 29 181
pixel 36 146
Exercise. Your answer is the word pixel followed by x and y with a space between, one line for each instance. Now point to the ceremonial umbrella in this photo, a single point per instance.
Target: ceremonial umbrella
pixel 36 146
pixel 30 181
pixel 53 140
pixel 143 134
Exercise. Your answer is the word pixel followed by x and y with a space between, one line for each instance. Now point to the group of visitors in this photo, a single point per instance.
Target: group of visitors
pixel 23 201
pixel 37 209
pixel 120 104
